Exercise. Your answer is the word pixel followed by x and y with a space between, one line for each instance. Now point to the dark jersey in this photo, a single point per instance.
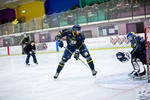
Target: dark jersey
pixel 138 45
pixel 29 48
pixel 26 40
pixel 72 38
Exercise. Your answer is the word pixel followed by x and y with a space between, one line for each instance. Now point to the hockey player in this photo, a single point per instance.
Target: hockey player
pixel 29 49
pixel 75 44
pixel 138 55
pixel 25 41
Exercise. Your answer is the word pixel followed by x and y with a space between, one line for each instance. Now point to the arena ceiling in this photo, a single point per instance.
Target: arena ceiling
pixel 14 3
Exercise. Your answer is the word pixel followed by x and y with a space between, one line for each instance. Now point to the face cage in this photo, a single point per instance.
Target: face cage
pixel 130 38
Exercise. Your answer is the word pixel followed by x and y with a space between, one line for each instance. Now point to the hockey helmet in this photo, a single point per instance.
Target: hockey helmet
pixel 131 35
pixel 122 57
pixel 76 27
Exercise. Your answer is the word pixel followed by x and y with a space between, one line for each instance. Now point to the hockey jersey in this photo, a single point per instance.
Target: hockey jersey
pixel 72 38
pixel 138 45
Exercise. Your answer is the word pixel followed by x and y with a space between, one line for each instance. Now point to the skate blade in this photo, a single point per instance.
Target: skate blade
pixel 140 78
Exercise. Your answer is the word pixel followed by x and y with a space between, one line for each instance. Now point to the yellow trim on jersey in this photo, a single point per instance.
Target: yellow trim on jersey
pixel 90 61
pixel 132 33
pixel 61 65
pixel 64 32
pixel 57 38
pixel 73 34
pixel 59 33
pixel 135 48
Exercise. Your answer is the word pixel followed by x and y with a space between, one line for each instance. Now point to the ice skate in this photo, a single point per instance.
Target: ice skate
pixel 130 74
pixel 27 64
pixel 36 63
pixel 94 72
pixel 143 73
pixel 140 76
pixel 56 75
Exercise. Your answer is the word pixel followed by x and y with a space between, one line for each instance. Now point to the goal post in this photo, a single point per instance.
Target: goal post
pixel 147 45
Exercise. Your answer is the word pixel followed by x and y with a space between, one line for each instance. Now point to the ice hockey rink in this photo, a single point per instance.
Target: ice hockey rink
pixel 75 82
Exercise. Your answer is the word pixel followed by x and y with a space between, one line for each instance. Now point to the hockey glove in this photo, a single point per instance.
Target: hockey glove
pixel 60 43
pixel 76 55
pixel 33 52
pixel 30 52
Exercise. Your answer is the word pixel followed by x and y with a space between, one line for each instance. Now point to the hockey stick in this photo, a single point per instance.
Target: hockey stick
pixel 78 58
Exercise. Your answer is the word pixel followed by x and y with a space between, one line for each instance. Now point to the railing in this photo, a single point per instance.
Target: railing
pixel 97 12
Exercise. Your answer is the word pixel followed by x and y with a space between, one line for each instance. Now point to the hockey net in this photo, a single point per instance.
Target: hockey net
pixel 147 44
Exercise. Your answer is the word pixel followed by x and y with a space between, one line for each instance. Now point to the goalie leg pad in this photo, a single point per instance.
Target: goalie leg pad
pixel 134 63
pixel 139 69
pixel 141 66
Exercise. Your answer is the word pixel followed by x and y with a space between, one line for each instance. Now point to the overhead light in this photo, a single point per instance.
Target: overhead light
pixel 23 11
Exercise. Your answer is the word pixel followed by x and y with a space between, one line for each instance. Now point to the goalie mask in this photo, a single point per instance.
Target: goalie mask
pixel 123 57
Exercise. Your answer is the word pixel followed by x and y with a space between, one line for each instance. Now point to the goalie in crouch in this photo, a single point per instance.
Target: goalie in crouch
pixel 138 55
pixel 75 44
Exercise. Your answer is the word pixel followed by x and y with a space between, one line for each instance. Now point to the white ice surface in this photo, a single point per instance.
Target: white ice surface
pixel 75 82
